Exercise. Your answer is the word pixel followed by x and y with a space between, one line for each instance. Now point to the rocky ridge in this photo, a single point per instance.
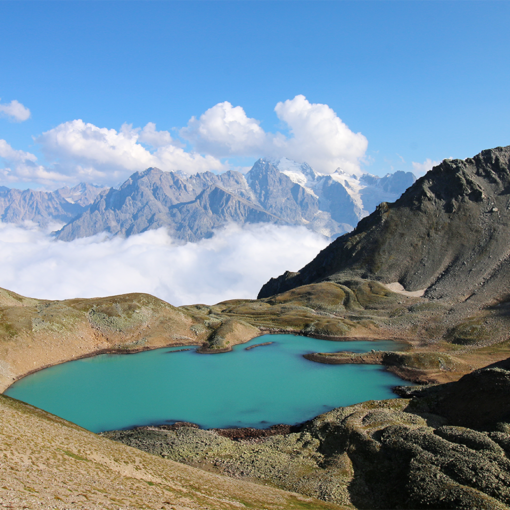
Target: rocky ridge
pixel 192 207
pixel 46 207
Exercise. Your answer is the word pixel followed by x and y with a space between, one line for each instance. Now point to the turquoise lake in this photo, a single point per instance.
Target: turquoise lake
pixel 244 388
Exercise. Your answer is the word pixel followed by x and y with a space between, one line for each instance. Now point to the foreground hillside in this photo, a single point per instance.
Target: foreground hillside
pixel 47 462
pixel 444 446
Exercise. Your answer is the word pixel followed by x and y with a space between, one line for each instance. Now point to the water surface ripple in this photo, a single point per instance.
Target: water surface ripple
pixel 244 388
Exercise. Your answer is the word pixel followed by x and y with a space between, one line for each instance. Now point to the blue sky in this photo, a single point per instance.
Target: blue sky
pixel 404 82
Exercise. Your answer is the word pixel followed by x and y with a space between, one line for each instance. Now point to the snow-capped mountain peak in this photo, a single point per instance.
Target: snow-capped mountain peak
pixel 299 173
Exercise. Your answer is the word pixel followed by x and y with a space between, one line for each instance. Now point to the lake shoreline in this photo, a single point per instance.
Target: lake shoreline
pixel 251 434
pixel 99 352
pixel 86 382
pixel 202 348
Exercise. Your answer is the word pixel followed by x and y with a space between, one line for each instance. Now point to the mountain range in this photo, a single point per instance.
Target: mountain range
pixel 191 207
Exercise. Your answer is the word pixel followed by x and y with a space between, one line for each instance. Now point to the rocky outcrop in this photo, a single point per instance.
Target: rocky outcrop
pixel 229 333
pixel 446 234
pixel 416 366
pixel 479 400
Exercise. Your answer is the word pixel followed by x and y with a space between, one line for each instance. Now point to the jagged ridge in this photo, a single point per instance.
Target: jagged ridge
pixel 192 207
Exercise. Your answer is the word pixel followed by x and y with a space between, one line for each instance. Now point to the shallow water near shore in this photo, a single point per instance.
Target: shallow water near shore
pixel 257 388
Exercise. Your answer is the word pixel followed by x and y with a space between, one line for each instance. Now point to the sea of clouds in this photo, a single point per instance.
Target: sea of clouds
pixel 234 263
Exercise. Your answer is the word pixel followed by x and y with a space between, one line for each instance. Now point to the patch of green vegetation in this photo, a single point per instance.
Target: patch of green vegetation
pixel 325 296
pixel 427 361
pixel 137 344
pixel 72 455
pixel 426 307
pixel 7 329
pixel 115 317
pixel 468 332
pixel 328 328
pixel 398 312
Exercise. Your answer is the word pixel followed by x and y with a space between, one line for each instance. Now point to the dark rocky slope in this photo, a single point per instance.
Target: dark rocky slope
pixel 448 233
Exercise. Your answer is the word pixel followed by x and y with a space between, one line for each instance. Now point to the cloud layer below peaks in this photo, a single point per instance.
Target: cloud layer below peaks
pixel 234 263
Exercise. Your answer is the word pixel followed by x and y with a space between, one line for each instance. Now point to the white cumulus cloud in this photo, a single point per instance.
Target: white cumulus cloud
pixel 151 136
pixel 13 155
pixel 225 130
pixel 234 263
pixel 15 111
pixel 22 166
pixel 77 151
pixel 318 135
pixel 88 152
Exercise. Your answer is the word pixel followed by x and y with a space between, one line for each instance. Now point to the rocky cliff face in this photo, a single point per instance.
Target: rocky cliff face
pixel 447 234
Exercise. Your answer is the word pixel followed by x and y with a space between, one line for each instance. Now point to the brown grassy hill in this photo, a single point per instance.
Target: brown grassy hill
pixel 38 333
